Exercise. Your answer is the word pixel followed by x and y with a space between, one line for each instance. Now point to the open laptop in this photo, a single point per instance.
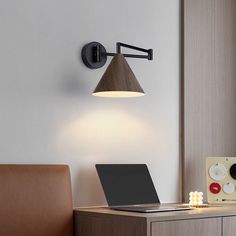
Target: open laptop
pixel 129 187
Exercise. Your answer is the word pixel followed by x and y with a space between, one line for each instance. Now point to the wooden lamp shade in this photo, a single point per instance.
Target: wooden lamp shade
pixel 118 80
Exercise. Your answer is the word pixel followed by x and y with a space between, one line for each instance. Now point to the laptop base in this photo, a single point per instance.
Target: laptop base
pixel 150 209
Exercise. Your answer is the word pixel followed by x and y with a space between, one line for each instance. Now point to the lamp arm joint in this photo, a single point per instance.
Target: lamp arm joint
pixel 148 51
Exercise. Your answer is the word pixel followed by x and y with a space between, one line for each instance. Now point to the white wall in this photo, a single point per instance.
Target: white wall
pixel 47 112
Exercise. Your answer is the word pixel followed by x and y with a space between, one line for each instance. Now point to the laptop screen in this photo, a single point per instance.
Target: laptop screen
pixel 127 184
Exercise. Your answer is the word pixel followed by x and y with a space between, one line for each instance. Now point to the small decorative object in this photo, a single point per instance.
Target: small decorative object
pixel 196 199
pixel 221 180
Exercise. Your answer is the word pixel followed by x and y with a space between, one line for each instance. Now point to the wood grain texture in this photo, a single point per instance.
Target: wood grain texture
pixel 229 226
pixel 209 120
pixel 217 221
pixel 200 227
pixel 118 77
pixel 110 225
pixel 210 212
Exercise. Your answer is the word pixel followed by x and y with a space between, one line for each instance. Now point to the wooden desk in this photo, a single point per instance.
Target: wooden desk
pixel 212 221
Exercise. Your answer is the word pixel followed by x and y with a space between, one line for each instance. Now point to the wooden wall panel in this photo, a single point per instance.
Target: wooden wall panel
pixel 209 86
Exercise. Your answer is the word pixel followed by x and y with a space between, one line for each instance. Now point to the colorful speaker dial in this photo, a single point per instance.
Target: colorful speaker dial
pixel 233 171
pixel 215 188
pixel 217 171
pixel 228 188
pixel 221 180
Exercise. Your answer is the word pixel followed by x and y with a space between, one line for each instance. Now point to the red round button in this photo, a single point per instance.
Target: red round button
pixel 215 188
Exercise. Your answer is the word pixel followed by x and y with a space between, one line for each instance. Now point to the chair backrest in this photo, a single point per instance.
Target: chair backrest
pixel 35 200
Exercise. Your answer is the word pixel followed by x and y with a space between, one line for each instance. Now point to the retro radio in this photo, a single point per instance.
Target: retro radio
pixel 221 180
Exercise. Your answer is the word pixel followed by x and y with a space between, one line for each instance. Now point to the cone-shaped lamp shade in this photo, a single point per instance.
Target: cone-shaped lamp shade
pixel 118 80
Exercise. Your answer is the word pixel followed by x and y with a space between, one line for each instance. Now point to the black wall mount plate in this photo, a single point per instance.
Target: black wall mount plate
pixel 94 55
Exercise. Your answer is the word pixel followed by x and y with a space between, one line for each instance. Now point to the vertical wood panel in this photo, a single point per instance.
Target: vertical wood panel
pixel 110 225
pixel 209 120
pixel 229 226
pixel 196 227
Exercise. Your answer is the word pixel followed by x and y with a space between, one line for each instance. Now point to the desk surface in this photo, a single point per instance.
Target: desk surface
pixel 211 211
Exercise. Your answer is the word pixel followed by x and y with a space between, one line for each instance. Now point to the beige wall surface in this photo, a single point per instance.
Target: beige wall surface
pixel 47 112
pixel 209 86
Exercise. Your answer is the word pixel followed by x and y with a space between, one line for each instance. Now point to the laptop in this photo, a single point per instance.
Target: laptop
pixel 129 187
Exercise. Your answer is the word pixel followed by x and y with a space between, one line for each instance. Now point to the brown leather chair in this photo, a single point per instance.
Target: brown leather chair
pixel 35 200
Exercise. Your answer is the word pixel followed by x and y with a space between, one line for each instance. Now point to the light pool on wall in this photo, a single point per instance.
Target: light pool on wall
pixel 104 130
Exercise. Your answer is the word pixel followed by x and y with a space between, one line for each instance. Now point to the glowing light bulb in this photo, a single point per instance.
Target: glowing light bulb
pixel 195 198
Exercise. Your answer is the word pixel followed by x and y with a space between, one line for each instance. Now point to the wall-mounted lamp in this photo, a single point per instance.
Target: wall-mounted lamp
pixel 118 79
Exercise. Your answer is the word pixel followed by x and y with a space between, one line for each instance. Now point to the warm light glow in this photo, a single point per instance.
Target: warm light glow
pixel 195 198
pixel 118 94
pixel 105 133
